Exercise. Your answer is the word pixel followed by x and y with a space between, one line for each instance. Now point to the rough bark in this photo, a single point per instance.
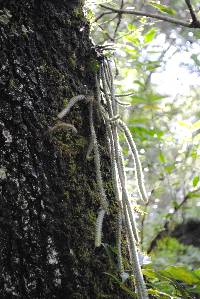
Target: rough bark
pixel 49 198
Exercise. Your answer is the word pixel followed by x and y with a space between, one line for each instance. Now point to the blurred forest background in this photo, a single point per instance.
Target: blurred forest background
pixel 157 65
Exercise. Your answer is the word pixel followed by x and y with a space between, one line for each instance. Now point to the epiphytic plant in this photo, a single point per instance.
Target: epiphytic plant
pixel 105 92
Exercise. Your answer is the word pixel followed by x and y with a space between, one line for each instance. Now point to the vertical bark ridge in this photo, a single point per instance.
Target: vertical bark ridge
pixel 48 195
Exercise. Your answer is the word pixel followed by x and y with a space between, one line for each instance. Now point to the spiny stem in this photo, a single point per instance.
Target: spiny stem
pixel 99 225
pixel 122 177
pixel 118 197
pixel 71 103
pixel 107 75
pixel 140 284
pixel 138 167
pixel 114 118
pixel 112 89
pixel 119 242
pixel 113 132
pixel 125 95
pixel 109 106
pixel 119 178
pixel 98 91
pixel 104 202
pixel 62 126
pixel 122 103
pixel 90 148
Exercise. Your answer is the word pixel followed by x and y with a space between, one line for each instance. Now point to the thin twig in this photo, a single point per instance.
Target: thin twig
pixel 121 95
pixel 107 22
pixel 195 21
pixel 106 33
pixel 123 103
pixel 119 20
pixel 124 95
pixel 154 16
pixel 102 15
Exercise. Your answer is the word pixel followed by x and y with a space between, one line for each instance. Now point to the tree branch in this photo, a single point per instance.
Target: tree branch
pixel 106 33
pixel 195 22
pixel 119 19
pixel 102 15
pixel 192 24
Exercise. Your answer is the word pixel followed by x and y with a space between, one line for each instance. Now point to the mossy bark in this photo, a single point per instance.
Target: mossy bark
pixel 49 198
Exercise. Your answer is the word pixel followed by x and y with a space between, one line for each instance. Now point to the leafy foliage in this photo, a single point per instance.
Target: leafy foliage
pixel 163 8
pixel 158 64
pixel 174 281
pixel 171 282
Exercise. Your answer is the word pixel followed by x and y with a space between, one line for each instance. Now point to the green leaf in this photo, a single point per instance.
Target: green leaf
pixel 130 49
pixel 131 27
pixel 197 273
pixel 146 98
pixel 162 157
pixel 181 274
pixel 137 99
pixel 141 84
pixel 150 273
pixel 169 168
pixel 132 39
pixel 155 97
pixel 196 125
pixel 133 53
pixel 144 133
pixel 195 181
pixel 195 58
pixel 159 294
pixel 193 195
pixel 152 66
pixel 115 279
pixel 149 36
pixel 163 8
pixel 175 205
pixel 194 290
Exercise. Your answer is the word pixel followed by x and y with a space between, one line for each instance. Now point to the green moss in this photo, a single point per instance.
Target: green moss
pixel 78 12
pixel 72 61
pixel 52 71
pixel 84 252
pixel 65 102
pixel 81 142
pixel 65 148
pixel 91 217
pixel 72 167
pixel 101 296
pixel 109 186
pixel 12 83
pixel 66 195
pixel 5 16
pixel 69 144
pixel 93 65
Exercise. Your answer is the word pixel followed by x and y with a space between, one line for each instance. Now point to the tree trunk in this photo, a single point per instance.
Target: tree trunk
pixel 49 197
